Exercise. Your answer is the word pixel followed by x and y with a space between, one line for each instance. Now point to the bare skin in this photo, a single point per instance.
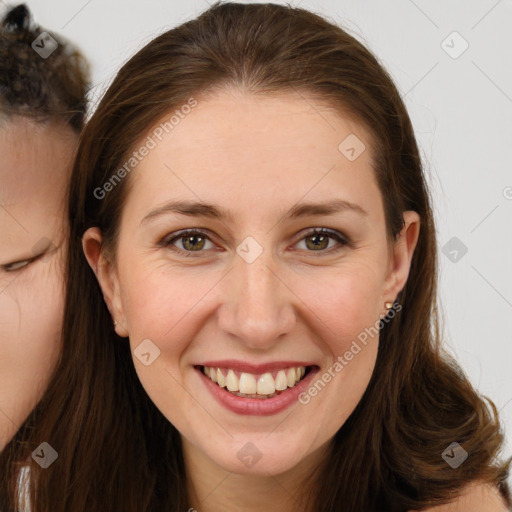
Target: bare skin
pixel 256 157
pixel 476 497
pixel 34 171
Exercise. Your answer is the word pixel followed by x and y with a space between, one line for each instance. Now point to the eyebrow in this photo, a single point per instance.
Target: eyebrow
pixel 201 209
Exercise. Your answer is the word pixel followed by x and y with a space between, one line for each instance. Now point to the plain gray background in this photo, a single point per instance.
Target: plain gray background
pixel 461 107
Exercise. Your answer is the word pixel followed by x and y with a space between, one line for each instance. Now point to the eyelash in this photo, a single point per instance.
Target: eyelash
pixel 28 262
pixel 341 239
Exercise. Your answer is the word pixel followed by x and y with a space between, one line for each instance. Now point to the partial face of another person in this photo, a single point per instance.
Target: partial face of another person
pixel 256 284
pixel 34 173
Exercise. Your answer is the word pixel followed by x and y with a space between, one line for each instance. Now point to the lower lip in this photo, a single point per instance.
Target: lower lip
pixel 258 406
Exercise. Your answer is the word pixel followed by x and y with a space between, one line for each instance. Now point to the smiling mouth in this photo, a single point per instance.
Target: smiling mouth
pixel 249 385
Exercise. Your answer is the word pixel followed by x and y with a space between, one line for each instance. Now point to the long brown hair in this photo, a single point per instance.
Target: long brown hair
pixel 116 450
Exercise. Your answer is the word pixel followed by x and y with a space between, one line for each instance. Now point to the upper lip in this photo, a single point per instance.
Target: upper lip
pixel 245 366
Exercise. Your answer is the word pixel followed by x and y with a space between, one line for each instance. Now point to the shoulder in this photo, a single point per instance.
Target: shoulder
pixel 475 497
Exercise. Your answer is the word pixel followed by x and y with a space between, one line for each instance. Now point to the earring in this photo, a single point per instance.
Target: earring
pixel 388 305
pixel 114 322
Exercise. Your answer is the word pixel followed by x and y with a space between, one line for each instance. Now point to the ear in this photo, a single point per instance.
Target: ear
pixel 401 256
pixel 106 275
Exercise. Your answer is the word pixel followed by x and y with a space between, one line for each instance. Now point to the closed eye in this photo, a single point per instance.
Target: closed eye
pixel 18 265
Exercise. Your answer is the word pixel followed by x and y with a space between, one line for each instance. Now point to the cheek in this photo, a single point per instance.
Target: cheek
pixel 168 309
pixel 344 317
pixel 342 302
pixel 172 306
pixel 166 305
pixel 30 324
pixel 176 308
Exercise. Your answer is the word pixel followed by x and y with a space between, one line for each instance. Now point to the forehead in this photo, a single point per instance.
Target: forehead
pixel 36 160
pixel 234 121
pixel 235 145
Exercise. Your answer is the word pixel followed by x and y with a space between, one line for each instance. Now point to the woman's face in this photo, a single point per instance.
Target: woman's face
pixel 34 171
pixel 253 291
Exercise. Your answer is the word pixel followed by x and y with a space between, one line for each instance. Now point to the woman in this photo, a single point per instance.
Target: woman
pixel 42 110
pixel 248 208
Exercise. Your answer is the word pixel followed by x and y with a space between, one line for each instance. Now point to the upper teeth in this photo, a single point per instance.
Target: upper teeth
pixel 248 383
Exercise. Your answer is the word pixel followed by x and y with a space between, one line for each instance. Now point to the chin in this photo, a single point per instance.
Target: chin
pixel 258 457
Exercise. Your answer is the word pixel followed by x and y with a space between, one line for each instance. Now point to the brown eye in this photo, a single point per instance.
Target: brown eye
pixel 319 240
pixel 189 242
pixel 316 242
pixel 193 242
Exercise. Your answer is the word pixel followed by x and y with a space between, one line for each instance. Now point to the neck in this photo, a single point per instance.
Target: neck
pixel 213 489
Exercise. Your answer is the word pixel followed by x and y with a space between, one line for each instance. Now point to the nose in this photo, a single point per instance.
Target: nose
pixel 258 307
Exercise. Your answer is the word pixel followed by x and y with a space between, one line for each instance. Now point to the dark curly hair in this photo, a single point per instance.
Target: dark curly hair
pixel 33 86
